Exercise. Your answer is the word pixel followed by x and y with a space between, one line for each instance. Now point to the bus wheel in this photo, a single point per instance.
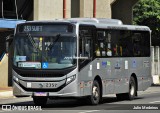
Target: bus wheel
pixel 132 89
pixel 95 96
pixel 40 101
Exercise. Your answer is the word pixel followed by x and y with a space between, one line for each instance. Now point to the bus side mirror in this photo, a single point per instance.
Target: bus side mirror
pixel 9 40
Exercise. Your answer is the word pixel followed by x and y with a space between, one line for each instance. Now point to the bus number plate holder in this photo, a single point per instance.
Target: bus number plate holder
pixel 40 94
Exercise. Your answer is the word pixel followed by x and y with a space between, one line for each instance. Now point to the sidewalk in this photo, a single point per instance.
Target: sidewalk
pixel 6 93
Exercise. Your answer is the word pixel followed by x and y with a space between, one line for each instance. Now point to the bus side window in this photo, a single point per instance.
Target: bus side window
pixel 115 43
pixel 84 44
pixel 103 44
pixel 141 42
pixel 136 40
pixel 108 44
pixel 99 43
pixel 126 43
pixel 146 43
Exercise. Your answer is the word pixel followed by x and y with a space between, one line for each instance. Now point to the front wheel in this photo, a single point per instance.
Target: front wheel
pixel 95 94
pixel 40 101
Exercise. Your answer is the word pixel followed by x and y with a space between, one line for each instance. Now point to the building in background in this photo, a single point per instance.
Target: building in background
pixel 57 9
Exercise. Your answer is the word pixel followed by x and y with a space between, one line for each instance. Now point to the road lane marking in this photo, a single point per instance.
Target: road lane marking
pixel 147 93
pixel 90 111
pixel 155 102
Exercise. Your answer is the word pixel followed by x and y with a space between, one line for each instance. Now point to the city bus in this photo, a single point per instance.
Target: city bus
pixel 85 58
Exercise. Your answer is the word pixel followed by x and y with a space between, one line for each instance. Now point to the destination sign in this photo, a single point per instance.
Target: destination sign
pixel 45 28
pixel 32 28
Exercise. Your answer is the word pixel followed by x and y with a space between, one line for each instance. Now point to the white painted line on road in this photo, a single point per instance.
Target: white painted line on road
pixel 90 111
pixel 147 93
pixel 155 102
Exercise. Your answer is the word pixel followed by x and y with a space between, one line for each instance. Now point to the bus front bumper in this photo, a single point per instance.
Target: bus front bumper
pixel 70 90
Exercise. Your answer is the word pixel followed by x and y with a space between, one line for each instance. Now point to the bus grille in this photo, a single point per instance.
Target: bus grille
pixel 41 75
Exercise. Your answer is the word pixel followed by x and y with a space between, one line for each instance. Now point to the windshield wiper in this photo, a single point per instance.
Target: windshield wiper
pixel 32 41
pixel 34 45
pixel 57 38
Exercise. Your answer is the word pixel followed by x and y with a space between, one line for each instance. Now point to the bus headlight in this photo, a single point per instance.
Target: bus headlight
pixel 70 79
pixel 16 79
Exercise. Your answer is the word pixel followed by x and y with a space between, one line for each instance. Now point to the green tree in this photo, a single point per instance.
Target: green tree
pixel 147 12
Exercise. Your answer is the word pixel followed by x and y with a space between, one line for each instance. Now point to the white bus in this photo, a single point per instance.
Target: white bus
pixel 85 57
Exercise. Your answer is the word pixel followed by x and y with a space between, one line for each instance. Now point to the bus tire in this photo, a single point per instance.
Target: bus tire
pixel 132 89
pixel 40 101
pixel 95 97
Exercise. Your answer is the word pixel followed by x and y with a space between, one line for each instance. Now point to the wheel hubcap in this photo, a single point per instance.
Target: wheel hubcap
pixel 132 90
pixel 95 93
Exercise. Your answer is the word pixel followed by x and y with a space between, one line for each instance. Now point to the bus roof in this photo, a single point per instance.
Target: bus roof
pixel 95 20
pixel 107 23
pixel 84 20
pixel 101 23
pixel 123 27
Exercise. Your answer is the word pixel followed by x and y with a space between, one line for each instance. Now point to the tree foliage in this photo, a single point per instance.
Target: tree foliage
pixel 147 12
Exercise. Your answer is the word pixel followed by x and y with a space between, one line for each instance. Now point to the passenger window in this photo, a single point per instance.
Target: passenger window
pixel 122 43
pixel 108 43
pixel 141 42
pixel 115 43
pixel 126 43
pixel 100 45
pixel 136 40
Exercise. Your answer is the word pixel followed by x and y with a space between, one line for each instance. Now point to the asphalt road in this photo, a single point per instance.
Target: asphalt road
pixel 146 101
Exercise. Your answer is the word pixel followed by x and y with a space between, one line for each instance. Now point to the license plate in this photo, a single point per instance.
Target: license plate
pixel 51 85
pixel 40 94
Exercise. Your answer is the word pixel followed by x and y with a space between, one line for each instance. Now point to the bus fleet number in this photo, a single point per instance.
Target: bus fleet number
pixel 53 85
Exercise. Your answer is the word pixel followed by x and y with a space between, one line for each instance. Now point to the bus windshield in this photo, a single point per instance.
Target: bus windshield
pixel 44 52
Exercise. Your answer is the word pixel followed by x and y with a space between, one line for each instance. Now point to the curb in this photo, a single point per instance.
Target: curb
pixel 6 94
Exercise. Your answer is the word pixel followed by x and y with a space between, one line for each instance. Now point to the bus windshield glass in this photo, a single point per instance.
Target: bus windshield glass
pixel 44 52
